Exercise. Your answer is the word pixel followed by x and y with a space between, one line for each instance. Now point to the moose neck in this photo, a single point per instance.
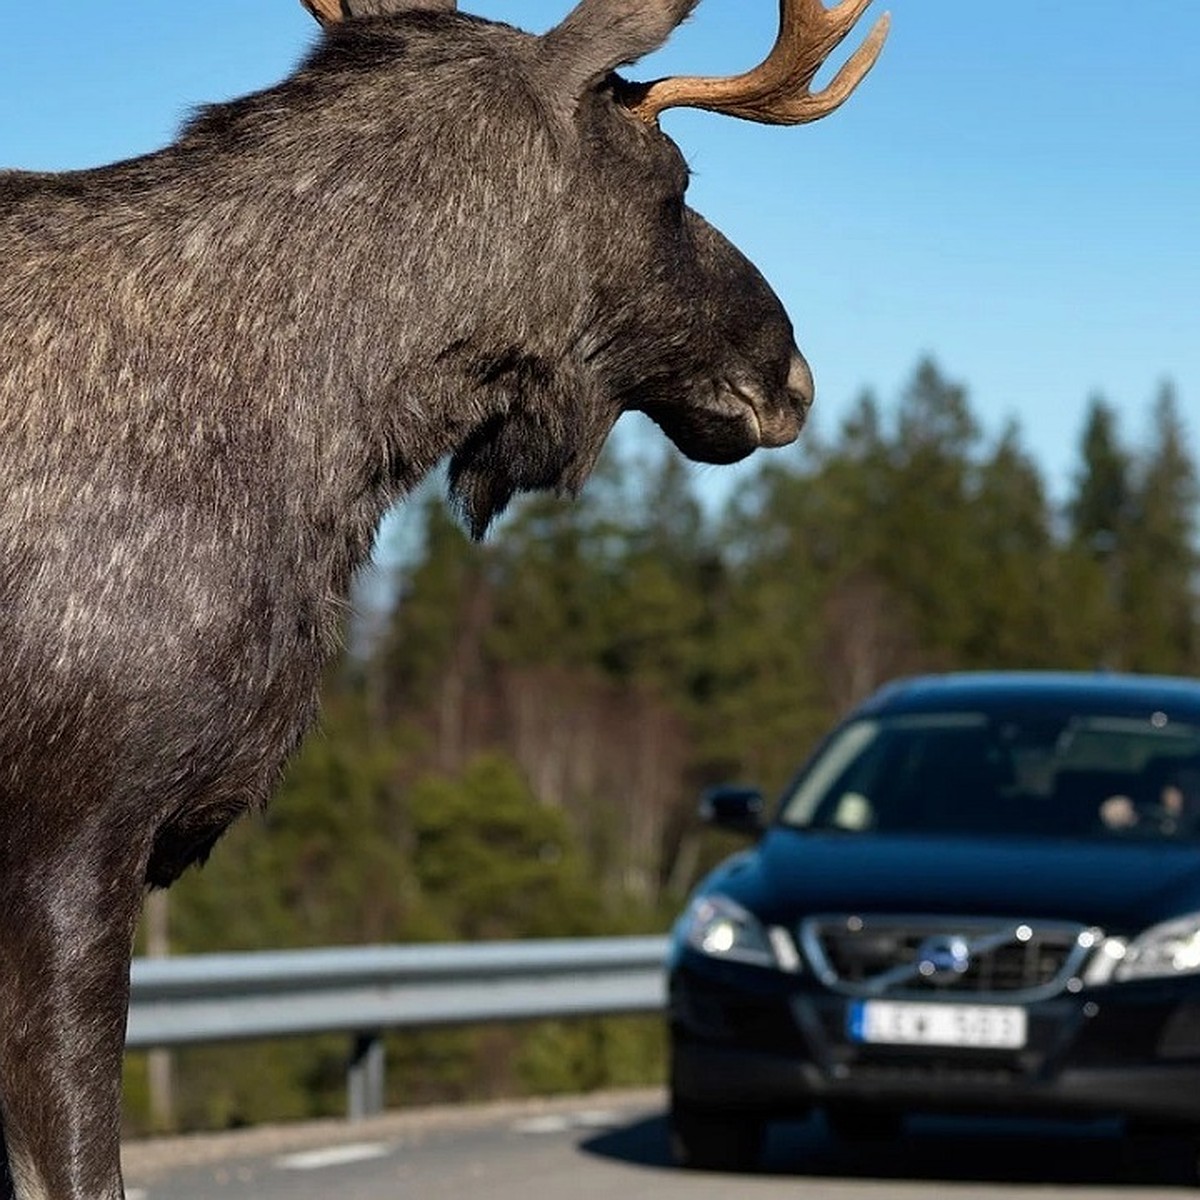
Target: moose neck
pixel 362 324
pixel 389 307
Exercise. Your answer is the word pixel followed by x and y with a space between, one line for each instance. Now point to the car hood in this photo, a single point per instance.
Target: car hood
pixel 1120 887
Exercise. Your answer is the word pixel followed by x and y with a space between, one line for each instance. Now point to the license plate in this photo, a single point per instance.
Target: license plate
pixel 974 1026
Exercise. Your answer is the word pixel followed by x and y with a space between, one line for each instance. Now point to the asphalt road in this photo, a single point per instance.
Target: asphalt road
pixel 614 1148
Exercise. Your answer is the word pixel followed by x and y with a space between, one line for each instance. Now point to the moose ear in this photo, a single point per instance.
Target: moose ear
pixel 600 35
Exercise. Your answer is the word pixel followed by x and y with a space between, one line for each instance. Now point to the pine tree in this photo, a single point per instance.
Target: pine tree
pixel 1100 505
pixel 1162 605
pixel 1015 607
pixel 1095 558
pixel 930 553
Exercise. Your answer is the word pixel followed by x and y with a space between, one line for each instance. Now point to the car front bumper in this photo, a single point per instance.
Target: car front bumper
pixel 754 1040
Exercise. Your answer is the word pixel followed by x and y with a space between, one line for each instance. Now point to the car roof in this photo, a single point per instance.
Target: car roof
pixel 1097 692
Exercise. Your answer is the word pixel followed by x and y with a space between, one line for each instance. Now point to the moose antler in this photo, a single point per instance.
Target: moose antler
pixel 777 91
pixel 328 12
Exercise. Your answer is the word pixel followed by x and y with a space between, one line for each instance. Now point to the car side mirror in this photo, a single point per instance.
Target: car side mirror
pixel 736 809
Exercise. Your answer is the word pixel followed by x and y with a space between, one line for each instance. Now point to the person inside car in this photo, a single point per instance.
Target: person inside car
pixel 1172 811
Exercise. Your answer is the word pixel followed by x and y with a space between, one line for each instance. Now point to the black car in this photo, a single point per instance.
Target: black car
pixel 981 895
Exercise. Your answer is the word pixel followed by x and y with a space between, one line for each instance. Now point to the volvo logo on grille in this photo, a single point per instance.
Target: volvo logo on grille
pixel 878 955
pixel 944 957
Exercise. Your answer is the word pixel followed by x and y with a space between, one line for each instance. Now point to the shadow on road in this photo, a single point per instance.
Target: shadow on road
pixel 941 1150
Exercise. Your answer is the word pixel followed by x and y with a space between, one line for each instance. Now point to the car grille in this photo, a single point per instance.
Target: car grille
pixel 875 956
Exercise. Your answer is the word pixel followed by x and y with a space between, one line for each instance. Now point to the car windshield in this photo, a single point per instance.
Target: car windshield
pixel 977 775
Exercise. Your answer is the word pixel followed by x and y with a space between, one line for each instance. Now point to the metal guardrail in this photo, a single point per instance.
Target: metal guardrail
pixel 369 990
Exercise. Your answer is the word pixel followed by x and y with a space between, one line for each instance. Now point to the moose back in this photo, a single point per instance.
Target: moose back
pixel 440 239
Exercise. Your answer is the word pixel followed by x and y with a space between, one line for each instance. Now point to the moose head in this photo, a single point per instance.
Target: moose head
pixel 602 291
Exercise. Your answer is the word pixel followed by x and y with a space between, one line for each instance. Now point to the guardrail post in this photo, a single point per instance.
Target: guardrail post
pixel 364 1077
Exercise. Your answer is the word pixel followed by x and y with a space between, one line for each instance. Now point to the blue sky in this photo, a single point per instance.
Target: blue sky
pixel 1015 190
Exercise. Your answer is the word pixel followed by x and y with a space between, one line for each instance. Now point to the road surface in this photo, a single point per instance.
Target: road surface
pixel 614 1148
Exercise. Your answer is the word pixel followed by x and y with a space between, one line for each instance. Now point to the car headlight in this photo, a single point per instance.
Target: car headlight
pixel 1172 948
pixel 722 928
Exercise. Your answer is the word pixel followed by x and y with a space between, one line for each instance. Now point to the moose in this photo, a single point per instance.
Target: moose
pixel 441 239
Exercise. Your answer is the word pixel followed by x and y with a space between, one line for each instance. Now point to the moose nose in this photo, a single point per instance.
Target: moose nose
pixel 800 383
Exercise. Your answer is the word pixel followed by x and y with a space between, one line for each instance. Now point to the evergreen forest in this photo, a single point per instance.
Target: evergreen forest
pixel 515 737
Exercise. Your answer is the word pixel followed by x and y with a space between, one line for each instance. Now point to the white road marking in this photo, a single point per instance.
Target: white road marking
pixel 539 1125
pixel 595 1118
pixel 135 1194
pixel 333 1156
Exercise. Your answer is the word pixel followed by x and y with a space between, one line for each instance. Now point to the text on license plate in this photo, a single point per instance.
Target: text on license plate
pixel 978 1026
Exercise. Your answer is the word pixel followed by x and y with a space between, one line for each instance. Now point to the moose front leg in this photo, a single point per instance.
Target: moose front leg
pixel 65 945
